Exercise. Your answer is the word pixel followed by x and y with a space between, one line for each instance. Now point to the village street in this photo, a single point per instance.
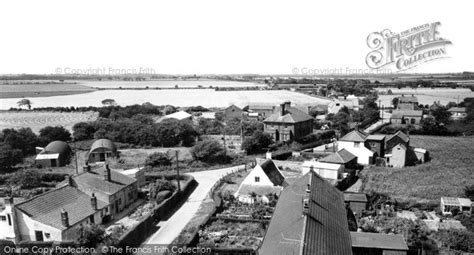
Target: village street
pixel 170 229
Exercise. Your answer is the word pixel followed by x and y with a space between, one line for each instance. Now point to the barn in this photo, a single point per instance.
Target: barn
pixel 56 153
pixel 101 150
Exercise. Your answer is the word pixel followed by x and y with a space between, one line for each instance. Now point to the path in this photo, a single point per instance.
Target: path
pixel 170 229
pixel 385 119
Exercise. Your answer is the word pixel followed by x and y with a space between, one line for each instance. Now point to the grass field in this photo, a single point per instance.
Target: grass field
pixel 41 90
pixel 37 120
pixel 449 171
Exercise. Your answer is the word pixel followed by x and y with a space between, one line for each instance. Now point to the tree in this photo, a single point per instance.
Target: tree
pixel 341 122
pixel 395 102
pixel 469 191
pixel 441 115
pixel 9 157
pixel 83 131
pixel 49 134
pixel 23 139
pixel 158 159
pixel 109 102
pixel 256 143
pixel 26 179
pixel 90 235
pixel 25 102
pixel 209 151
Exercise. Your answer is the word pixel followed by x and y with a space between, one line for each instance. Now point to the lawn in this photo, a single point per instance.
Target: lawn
pixel 450 170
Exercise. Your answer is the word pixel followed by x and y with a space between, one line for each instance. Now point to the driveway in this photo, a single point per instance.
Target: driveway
pixel 170 229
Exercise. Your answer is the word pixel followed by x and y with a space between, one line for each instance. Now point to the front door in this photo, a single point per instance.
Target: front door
pixel 277 135
pixel 102 156
pixel 39 235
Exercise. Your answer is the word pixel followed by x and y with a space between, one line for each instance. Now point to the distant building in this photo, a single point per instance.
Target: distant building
pixel 264 179
pixel 357 201
pixel 101 150
pixel 449 204
pixel 354 142
pixel 180 115
pixel 407 103
pixel 263 110
pixel 56 153
pixel 309 218
pixel 288 123
pixel 233 112
pixel 457 112
pixel 353 103
pixel 378 244
pixel 406 117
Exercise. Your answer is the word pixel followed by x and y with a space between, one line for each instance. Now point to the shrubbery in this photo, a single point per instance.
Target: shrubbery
pixel 209 151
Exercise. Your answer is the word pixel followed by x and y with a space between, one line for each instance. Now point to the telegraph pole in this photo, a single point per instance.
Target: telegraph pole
pixel 177 170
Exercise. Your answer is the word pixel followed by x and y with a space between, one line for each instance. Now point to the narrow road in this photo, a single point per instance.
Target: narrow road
pixel 170 229
pixel 385 118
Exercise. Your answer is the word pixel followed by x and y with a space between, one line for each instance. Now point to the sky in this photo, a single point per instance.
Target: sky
pixel 218 37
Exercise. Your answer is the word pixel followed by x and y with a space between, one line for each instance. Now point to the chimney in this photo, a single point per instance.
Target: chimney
pixel 282 109
pixel 107 173
pixel 64 218
pixel 94 202
pixel 68 179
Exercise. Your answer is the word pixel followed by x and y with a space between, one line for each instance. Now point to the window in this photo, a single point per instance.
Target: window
pixel 3 218
pixel 257 179
pixel 357 144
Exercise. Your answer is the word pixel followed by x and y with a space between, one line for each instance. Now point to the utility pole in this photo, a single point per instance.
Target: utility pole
pixel 177 170
pixel 75 154
pixel 225 147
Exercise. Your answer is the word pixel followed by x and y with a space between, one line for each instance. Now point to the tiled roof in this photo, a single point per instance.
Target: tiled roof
pixel 354 136
pixel 378 241
pixel 95 180
pixel 46 208
pixel 400 134
pixel 322 230
pixel 292 115
pixel 341 157
pixel 273 173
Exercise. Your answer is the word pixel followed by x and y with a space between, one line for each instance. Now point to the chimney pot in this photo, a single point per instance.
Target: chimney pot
pixel 94 202
pixel 64 218
pixel 107 176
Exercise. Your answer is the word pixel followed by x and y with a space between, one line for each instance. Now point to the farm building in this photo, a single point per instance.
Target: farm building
pixel 449 204
pixel 264 179
pixel 56 153
pixel 234 112
pixel 101 150
pixel 288 123
pixel 356 201
pixel 457 112
pixel 406 117
pixel 376 243
pixel 354 142
pixel 309 218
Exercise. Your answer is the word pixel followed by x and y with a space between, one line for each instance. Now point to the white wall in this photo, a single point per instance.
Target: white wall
pixel 363 154
pixel 27 227
pixel 6 230
pixel 257 172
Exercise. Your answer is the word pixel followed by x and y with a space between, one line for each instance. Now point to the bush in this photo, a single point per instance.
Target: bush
pixel 9 157
pixel 209 151
pixel 26 179
pixel 158 159
pixel 49 134
pixel 256 143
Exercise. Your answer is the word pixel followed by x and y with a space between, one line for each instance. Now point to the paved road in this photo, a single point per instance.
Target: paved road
pixel 170 229
pixel 386 119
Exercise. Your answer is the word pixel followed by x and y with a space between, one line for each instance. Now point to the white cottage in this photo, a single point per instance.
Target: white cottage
pixel 354 143
pixel 264 179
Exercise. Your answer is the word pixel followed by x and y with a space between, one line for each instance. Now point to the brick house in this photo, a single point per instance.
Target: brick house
pixel 288 123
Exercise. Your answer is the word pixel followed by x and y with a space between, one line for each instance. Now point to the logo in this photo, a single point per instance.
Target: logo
pixel 406 50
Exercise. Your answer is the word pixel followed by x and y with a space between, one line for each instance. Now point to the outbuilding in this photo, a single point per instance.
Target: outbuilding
pixel 56 153
pixel 101 150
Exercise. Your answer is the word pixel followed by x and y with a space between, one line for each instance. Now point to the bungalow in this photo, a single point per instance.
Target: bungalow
pixel 101 150
pixel 56 153
pixel 264 179
pixel 57 215
pixel 378 244
pixel 354 142
pixel 330 171
pixel 288 123
pixel 449 204
pixel 457 112
pixel 406 117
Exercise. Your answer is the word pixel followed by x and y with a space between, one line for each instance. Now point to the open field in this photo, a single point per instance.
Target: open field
pixel 169 83
pixel 176 97
pixel 449 171
pixel 38 120
pixel 426 95
pixel 41 90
